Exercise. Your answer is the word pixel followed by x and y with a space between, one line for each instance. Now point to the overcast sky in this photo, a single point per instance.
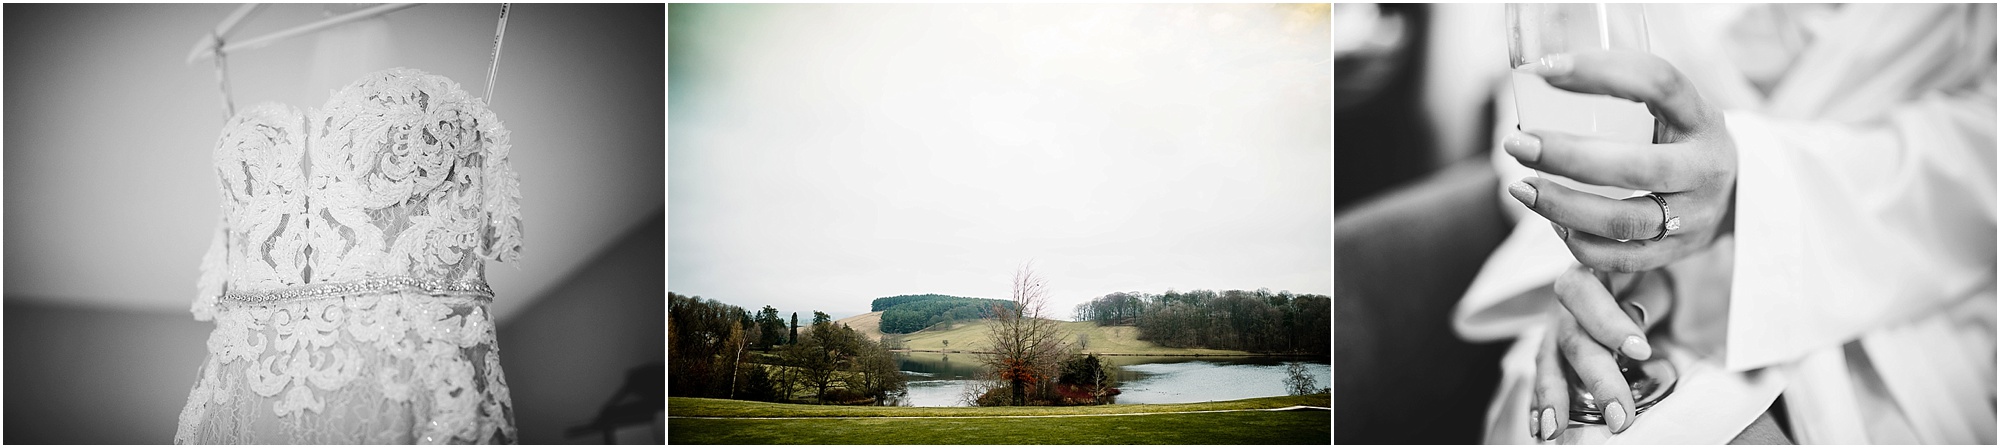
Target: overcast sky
pixel 821 156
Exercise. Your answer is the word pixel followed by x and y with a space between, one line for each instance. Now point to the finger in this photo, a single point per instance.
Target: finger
pixel 1605 254
pixel 1549 407
pixel 1626 219
pixel 1670 167
pixel 1632 75
pixel 1599 315
pixel 1597 371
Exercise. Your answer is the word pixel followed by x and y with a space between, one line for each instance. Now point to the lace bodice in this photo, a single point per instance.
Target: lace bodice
pixel 346 277
pixel 401 174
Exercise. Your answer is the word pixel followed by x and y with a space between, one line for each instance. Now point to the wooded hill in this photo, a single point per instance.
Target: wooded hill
pixel 910 313
pixel 1257 321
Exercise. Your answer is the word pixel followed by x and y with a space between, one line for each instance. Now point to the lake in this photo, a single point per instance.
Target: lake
pixel 939 379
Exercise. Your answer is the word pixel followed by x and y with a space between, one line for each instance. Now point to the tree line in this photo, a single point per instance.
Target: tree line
pixel 718 350
pixel 911 313
pixel 1256 321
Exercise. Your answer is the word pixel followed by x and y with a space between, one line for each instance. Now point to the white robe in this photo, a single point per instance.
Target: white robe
pixel 1860 280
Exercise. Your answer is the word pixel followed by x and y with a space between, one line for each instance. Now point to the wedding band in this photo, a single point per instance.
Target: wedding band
pixel 1668 222
pixel 1641 319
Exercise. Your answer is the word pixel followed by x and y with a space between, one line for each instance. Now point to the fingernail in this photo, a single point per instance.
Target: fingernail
pixel 1549 423
pixel 1636 348
pixel 1614 413
pixel 1535 424
pixel 1523 146
pixel 1561 232
pixel 1523 192
pixel 1556 65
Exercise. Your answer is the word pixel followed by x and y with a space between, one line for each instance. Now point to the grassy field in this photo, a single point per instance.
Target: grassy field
pixel 1247 427
pixel 971 336
pixel 716 407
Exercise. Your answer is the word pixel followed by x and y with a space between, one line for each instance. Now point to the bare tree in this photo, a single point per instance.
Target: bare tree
pixel 1026 346
pixel 1299 380
pixel 737 341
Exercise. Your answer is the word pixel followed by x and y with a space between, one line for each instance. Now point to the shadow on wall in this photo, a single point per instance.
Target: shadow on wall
pixel 77 375
pixel 569 352
pixel 86 376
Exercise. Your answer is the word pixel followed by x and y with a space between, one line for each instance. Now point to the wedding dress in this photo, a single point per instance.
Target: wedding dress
pixel 347 277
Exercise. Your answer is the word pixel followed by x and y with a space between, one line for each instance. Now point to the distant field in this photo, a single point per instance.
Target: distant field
pixel 1053 425
pixel 971 336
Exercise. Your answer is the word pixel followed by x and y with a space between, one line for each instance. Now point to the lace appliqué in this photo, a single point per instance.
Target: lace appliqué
pixel 400 176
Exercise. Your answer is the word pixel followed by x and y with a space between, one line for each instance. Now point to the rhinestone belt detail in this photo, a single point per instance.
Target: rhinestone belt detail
pixel 366 286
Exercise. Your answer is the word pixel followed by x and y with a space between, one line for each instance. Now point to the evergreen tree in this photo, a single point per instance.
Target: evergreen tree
pixel 770 328
pixel 795 328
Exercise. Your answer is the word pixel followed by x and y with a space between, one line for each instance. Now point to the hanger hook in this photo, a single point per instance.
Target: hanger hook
pixel 493 67
pixel 222 78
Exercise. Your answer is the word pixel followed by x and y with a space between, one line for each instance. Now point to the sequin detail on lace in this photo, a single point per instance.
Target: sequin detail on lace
pixel 347 277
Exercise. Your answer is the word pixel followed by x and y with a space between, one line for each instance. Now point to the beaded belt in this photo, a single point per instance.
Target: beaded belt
pixel 380 285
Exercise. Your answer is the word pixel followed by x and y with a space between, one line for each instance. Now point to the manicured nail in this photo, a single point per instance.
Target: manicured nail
pixel 1549 423
pixel 1556 65
pixel 1614 414
pixel 1523 192
pixel 1636 348
pixel 1562 233
pixel 1535 424
pixel 1521 145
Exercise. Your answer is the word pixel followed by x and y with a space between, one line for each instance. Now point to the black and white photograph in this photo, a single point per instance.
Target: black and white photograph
pixel 1664 223
pixel 1000 224
pixel 334 224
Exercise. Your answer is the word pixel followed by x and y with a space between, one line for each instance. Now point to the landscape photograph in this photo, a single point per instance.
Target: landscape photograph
pixel 999 224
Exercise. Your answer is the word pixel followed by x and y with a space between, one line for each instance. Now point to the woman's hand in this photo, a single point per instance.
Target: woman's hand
pixel 1585 336
pixel 1693 168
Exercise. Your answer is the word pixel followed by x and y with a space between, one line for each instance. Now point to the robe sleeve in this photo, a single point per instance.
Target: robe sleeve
pixel 1843 228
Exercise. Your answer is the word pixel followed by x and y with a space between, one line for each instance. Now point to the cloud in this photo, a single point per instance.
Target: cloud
pixel 824 155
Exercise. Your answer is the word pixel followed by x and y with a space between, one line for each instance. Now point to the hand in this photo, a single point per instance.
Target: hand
pixel 1693 168
pixel 1585 334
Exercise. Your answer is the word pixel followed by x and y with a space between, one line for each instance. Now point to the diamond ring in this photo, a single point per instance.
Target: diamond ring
pixel 1669 222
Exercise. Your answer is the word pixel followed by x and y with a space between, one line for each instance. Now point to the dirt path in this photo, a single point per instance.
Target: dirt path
pixel 1289 408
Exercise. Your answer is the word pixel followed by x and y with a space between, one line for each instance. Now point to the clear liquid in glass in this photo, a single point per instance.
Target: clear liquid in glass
pixel 1544 107
pixel 1539 30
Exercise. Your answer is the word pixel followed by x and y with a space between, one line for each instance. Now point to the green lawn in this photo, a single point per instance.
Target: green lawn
pixel 1247 427
pixel 1233 428
pixel 716 407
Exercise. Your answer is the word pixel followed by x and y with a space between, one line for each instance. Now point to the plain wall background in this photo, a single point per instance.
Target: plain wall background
pixel 567 354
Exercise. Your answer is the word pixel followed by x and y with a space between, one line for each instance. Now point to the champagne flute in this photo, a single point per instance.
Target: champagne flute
pixel 1535 31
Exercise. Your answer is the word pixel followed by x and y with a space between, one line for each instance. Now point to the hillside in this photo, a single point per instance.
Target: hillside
pixel 971 336
pixel 869 325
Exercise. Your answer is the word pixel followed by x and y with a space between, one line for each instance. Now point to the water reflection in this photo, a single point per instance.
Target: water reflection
pixel 940 379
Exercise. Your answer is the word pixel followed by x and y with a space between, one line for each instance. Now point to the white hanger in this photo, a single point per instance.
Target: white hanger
pixel 213 45
pixel 205 47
